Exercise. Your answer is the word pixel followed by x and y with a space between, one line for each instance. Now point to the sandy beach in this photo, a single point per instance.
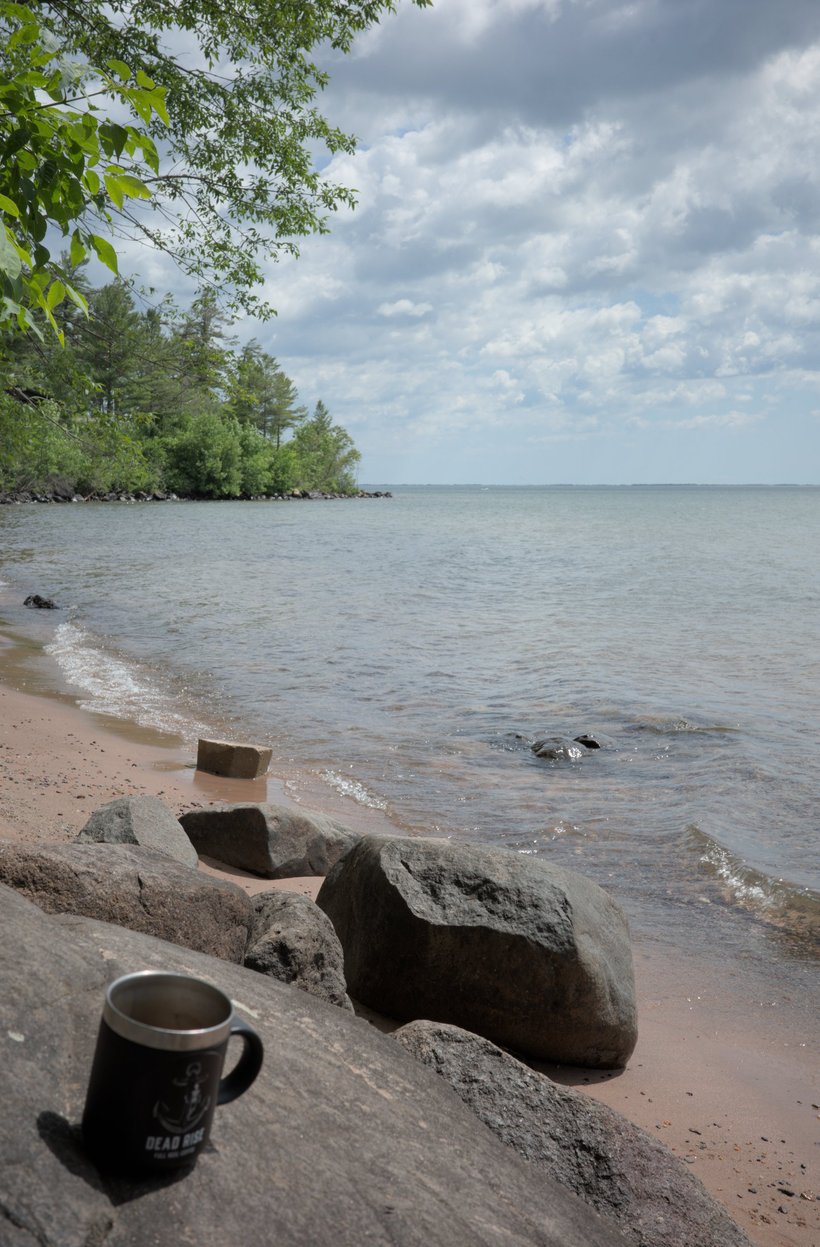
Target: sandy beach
pixel 718 1077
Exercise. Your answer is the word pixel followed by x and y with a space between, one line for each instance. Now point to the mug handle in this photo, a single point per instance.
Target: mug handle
pixel 248 1065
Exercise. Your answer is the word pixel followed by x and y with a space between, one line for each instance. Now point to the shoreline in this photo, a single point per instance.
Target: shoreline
pixel 717 1077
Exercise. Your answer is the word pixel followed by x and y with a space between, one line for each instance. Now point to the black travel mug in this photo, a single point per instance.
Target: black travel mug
pixel 157 1078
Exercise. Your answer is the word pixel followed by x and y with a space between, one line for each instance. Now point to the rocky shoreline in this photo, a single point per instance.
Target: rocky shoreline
pixel 332 1135
pixel 512 948
pixel 63 494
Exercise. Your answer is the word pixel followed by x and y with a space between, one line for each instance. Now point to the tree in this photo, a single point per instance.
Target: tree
pixel 261 394
pixel 203 344
pixel 236 179
pixel 62 161
pixel 325 454
pixel 107 347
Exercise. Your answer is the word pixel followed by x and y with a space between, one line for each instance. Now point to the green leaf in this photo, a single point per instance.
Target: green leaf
pixel 77 297
pixel 9 206
pixel 9 259
pixel 78 250
pixel 133 187
pixel 113 184
pixel 56 294
pixel 120 68
pixel 105 252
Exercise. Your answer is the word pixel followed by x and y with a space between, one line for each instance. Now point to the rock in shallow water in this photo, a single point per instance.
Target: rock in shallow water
pixel 558 748
pixel 222 757
pixel 530 955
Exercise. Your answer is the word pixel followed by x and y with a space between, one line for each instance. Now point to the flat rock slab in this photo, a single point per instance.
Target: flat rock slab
pixel 145 821
pixel 222 757
pixel 292 940
pixel 274 841
pixel 610 1163
pixel 343 1140
pixel 135 887
pixel 530 955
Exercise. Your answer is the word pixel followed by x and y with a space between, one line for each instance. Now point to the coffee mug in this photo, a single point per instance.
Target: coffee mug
pixel 157 1073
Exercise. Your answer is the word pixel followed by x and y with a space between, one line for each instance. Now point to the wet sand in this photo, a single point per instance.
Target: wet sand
pixel 721 1079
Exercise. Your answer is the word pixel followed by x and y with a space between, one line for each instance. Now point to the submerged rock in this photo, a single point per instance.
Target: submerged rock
pixel 558 748
pixel 40 603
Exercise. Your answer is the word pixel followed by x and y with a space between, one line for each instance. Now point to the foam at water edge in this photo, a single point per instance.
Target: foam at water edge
pixel 353 788
pixel 775 901
pixel 114 687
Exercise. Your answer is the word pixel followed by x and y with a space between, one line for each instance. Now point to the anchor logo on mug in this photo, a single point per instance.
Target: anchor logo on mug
pixel 157 1078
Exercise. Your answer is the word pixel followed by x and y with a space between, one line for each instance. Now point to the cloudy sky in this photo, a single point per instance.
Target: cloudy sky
pixel 586 247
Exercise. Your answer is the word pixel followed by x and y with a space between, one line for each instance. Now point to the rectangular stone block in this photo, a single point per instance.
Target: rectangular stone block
pixel 221 757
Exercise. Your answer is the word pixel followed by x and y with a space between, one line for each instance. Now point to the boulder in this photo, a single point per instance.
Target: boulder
pixel 145 821
pixel 343 1138
pixel 528 954
pixel 135 887
pixel 586 1146
pixel 292 940
pixel 558 748
pixel 269 840
pixel 221 757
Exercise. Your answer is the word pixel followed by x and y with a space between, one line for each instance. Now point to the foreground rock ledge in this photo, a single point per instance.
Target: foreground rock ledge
pixel 343 1140
pixel 532 956
pixel 589 1148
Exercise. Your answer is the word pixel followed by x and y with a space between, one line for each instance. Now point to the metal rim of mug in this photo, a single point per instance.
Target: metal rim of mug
pixel 167 1038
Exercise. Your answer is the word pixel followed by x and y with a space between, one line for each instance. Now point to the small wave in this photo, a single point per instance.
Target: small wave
pixel 115 687
pixel 774 901
pixel 353 788
pixel 668 726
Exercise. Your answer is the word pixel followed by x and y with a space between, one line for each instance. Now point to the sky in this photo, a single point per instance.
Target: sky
pixel 586 247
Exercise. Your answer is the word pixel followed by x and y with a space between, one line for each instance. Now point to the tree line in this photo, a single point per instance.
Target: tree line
pixel 158 400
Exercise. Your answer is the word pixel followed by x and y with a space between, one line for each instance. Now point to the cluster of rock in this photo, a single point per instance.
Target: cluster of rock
pixel 60 491
pixel 346 1137
pixel 566 749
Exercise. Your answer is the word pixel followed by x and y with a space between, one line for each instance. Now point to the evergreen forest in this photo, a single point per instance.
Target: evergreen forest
pixel 154 400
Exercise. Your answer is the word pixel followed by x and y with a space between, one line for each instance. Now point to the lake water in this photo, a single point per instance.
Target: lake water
pixel 403 653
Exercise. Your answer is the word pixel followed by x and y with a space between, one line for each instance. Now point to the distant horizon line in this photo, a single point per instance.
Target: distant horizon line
pixel 590 485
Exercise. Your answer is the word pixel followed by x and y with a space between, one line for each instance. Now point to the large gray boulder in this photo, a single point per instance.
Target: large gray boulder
pixel 134 887
pixel 342 1140
pixel 269 840
pixel 292 940
pixel 530 955
pixel 586 1146
pixel 145 821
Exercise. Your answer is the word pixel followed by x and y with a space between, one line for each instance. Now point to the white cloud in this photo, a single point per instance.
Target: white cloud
pixel 579 222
